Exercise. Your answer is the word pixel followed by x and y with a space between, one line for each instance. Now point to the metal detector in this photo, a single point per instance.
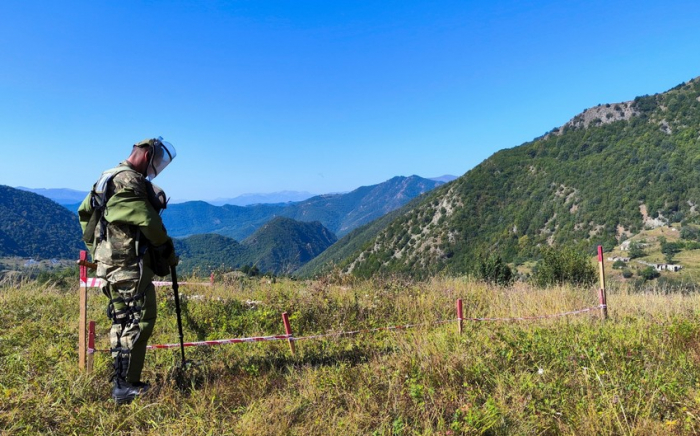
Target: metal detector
pixel 173 275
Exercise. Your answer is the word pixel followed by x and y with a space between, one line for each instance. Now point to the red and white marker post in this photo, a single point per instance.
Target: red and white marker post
pixel 460 316
pixel 288 331
pixel 82 322
pixel 602 296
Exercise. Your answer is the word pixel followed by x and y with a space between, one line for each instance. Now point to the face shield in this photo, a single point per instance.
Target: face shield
pixel 163 153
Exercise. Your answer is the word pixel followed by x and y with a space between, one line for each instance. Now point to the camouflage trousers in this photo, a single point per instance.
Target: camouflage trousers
pixel 133 309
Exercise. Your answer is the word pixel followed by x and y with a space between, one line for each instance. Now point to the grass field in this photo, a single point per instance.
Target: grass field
pixel 637 373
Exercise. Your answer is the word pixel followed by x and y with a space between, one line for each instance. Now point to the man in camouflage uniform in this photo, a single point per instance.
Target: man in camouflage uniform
pixel 123 229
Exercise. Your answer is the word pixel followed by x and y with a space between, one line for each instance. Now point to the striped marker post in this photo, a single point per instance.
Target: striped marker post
pixel 288 331
pixel 601 292
pixel 91 346
pixel 82 322
pixel 460 315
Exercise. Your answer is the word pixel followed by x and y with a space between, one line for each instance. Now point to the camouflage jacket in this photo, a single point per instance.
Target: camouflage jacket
pixel 130 218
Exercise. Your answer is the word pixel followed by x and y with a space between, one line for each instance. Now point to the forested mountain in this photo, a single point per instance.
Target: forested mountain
pixel 337 253
pixel 283 244
pixel 280 246
pixel 339 213
pixel 34 226
pixel 204 253
pixel 199 217
pixel 603 176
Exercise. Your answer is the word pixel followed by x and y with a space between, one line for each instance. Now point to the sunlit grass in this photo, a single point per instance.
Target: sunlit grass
pixel 636 373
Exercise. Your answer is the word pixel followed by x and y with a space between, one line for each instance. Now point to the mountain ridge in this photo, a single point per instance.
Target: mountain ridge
pixel 280 246
pixel 32 225
pixel 340 213
pixel 592 181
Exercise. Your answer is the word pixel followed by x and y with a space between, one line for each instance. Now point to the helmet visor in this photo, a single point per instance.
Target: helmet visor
pixel 163 154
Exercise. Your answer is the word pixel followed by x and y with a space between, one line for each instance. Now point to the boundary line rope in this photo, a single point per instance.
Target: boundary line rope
pixel 355 332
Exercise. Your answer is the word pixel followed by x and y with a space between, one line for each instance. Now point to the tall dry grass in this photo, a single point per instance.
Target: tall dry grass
pixel 636 373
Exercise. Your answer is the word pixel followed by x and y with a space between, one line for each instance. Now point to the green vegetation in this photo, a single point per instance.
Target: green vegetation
pixel 206 253
pixel 493 270
pixel 34 226
pixel 580 184
pixel 636 251
pixel 338 254
pixel 283 245
pixel 278 247
pixel 649 273
pixel 565 266
pixel 637 373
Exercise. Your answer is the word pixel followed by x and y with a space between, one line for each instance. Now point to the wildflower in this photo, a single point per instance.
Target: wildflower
pixel 540 371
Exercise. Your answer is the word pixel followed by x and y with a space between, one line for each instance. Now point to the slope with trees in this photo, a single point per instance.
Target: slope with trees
pixel 596 180
pixel 34 226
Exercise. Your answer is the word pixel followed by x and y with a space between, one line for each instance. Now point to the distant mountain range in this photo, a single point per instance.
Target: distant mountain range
pixel 278 238
pixel 280 246
pixel 339 213
pixel 61 196
pixel 271 198
pixel 72 198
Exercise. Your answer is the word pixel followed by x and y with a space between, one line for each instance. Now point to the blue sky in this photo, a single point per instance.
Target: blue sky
pixel 319 96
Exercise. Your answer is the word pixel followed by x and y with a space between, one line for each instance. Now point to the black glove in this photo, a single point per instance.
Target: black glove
pixel 173 259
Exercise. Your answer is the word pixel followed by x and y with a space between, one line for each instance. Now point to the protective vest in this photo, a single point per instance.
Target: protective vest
pixel 98 201
pixel 114 216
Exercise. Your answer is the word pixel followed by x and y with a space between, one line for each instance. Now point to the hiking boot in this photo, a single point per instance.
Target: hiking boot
pixel 124 392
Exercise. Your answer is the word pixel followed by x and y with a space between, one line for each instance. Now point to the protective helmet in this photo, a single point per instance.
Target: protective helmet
pixel 162 153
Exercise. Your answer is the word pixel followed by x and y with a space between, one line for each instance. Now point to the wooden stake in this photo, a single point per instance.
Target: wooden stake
pixel 82 322
pixel 601 293
pixel 288 331
pixel 460 317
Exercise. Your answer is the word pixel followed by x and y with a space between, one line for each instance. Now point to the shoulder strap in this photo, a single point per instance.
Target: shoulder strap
pixel 99 195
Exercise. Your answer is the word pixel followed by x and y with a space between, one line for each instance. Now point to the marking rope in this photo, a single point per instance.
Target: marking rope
pixel 92 282
pixel 354 332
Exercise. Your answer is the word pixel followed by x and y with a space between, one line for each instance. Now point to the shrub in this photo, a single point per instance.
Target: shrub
pixel 689 233
pixel 619 264
pixel 494 270
pixel 566 265
pixel 649 273
pixel 636 251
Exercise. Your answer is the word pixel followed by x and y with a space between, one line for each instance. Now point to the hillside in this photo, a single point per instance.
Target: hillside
pixel 339 213
pixel 280 246
pixel 207 252
pixel 283 245
pixel 336 254
pixel 604 176
pixel 34 226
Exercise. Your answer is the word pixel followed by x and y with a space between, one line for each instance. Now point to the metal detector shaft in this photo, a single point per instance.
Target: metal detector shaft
pixel 173 275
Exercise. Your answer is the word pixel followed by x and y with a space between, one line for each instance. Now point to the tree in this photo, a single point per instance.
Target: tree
pixel 636 250
pixel 669 249
pixel 566 265
pixel 649 273
pixel 619 264
pixel 494 270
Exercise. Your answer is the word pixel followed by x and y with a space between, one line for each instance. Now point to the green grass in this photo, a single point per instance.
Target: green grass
pixel 638 373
